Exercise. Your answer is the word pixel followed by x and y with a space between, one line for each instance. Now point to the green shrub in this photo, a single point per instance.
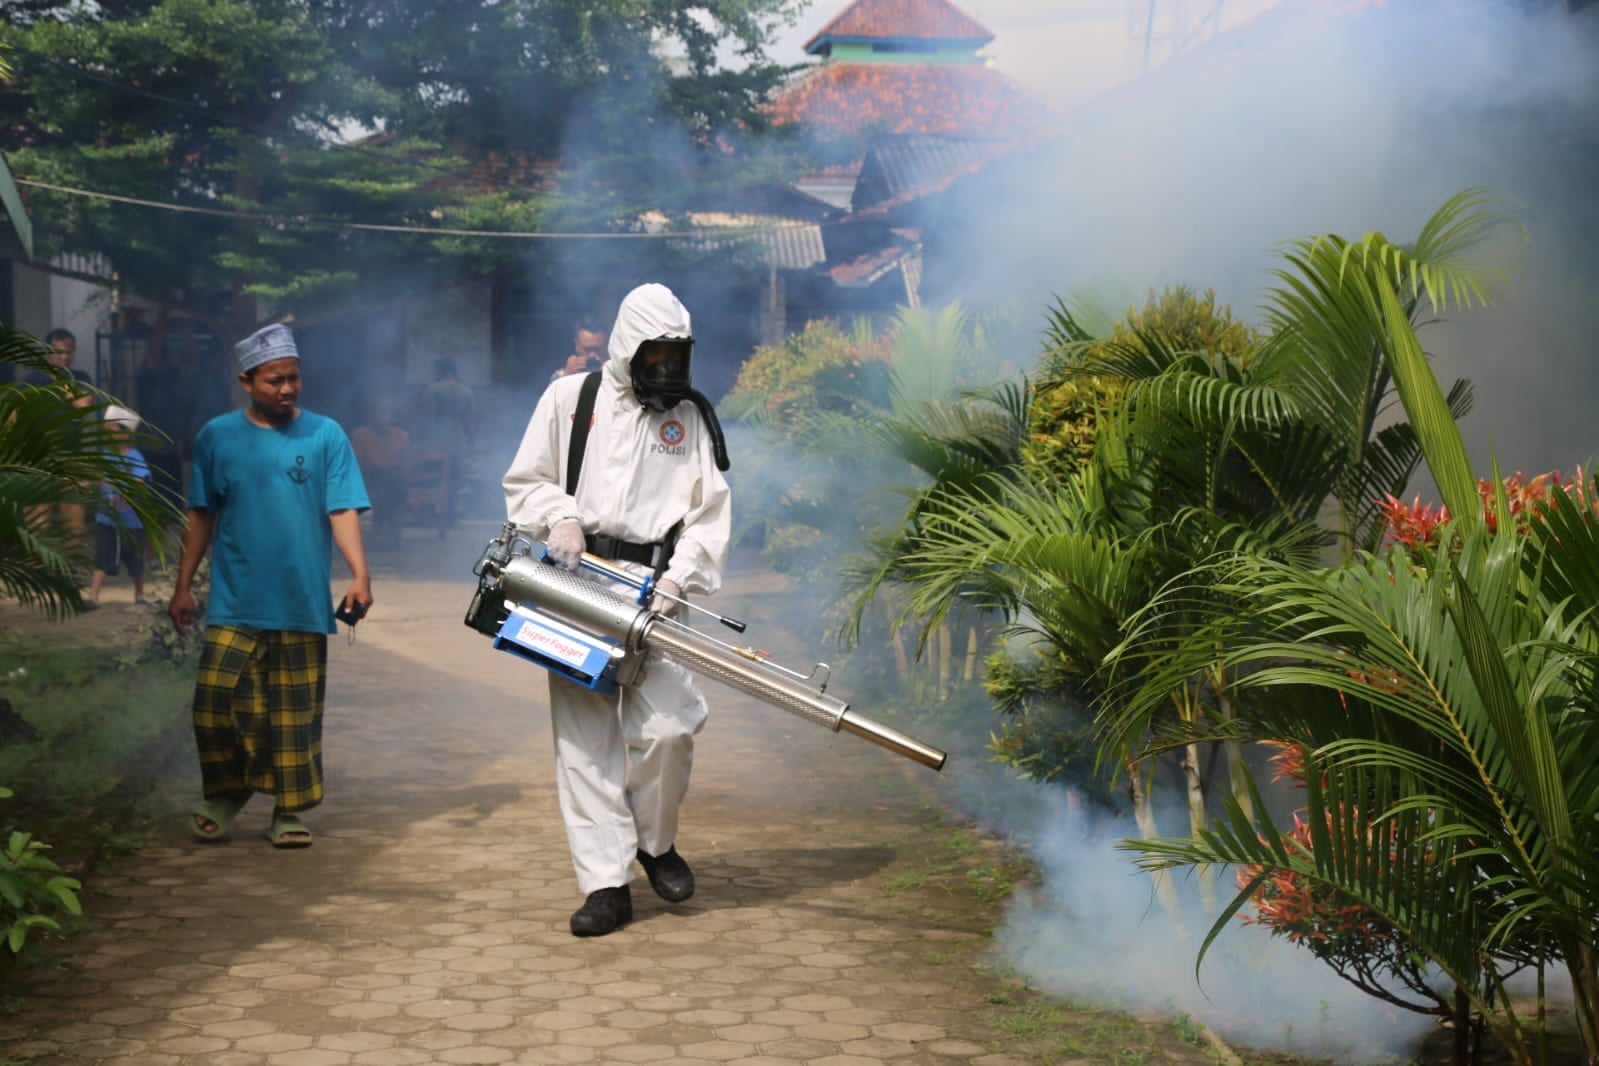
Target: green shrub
pixel 32 888
pixel 157 640
pixel 801 465
pixel 1067 404
pixel 1048 730
pixel 92 722
pixel 821 370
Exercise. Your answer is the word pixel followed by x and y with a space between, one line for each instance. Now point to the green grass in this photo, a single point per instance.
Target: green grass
pixel 96 750
pixel 960 859
pixel 106 734
pixel 1053 1032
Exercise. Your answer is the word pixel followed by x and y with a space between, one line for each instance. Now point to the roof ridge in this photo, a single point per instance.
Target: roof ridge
pixel 925 20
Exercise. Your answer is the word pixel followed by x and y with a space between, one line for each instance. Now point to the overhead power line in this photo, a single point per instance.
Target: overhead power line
pixel 306 222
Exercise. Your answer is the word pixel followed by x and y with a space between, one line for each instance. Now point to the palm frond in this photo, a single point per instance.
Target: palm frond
pixel 1064 327
pixel 1428 410
pixel 55 448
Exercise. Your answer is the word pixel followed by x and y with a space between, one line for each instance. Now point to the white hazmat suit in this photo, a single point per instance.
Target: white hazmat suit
pixel 622 771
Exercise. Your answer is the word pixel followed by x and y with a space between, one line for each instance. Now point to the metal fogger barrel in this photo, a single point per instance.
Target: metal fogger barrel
pixel 589 633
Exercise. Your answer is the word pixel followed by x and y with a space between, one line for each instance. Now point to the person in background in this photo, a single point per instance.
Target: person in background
pixel 450 404
pixel 650 497
pixel 588 350
pixel 63 352
pixel 273 488
pixel 118 533
pixel 452 426
pixel 383 448
pixel 70 517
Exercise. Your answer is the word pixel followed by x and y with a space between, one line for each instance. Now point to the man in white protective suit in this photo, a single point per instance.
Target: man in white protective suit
pixel 649 496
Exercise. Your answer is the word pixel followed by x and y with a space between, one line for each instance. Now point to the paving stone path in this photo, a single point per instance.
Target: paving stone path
pixel 428 924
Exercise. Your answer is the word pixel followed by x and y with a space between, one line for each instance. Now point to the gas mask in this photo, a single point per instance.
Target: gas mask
pixel 660 372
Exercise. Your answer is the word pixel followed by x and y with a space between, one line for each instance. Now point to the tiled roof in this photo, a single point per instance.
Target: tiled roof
pixel 783 243
pixel 900 167
pixel 951 98
pixel 870 267
pixel 792 247
pixel 901 20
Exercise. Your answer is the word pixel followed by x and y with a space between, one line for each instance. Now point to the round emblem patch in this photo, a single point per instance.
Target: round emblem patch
pixel 672 433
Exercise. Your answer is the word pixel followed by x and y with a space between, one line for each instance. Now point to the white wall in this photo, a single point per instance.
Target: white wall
pixel 44 301
pixel 30 296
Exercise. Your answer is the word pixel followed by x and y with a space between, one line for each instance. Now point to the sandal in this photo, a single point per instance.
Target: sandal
pixel 287 831
pixel 218 813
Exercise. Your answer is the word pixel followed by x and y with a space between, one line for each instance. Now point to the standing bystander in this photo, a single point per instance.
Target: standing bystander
pixel 273 487
pixel 63 352
pixel 118 533
pixel 383 449
pixel 452 426
pixel 588 350
pixel 70 517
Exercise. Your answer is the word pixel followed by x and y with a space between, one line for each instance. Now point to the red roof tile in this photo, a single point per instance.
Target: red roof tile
pixel 867 268
pixel 917 20
pixel 952 98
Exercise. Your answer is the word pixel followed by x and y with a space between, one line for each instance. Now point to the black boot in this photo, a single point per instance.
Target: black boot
pixel 669 875
pixel 605 911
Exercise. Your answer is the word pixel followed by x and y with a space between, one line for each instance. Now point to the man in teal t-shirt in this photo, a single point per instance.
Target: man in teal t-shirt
pixel 273 489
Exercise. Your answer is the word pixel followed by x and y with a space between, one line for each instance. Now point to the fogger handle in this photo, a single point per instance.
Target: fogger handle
pixel 626 577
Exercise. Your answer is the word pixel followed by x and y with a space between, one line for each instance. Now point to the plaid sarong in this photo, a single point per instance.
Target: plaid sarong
pixel 258 714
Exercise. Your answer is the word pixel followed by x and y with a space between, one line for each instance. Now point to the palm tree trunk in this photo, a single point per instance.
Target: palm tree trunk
pixel 969 674
pixel 1144 815
pixel 1583 966
pixel 1461 1020
pixel 902 659
pixel 1237 772
pixel 1187 705
pixel 945 660
pixel 1194 783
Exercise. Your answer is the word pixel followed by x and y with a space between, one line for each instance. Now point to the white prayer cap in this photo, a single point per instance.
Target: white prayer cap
pixel 128 420
pixel 264 345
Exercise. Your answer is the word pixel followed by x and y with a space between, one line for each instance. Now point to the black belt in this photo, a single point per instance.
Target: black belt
pixel 618 550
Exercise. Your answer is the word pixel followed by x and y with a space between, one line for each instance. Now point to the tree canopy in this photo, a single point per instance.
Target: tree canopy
pixel 288 148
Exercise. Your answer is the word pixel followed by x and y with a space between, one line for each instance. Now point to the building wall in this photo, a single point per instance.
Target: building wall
pixel 30 299
pixel 42 301
pixel 84 309
pixel 895 52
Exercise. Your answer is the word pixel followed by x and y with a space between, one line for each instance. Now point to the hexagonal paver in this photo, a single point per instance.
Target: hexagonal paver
pixel 429 923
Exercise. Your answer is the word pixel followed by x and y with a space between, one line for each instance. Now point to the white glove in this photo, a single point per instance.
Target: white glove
pixel 565 543
pixel 659 603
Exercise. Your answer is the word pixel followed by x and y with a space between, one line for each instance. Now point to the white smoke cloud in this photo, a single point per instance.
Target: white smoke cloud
pixel 1342 117
pixel 1314 116
pixel 1094 933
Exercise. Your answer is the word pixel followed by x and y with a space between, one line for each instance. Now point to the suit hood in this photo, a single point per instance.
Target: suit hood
pixel 650 312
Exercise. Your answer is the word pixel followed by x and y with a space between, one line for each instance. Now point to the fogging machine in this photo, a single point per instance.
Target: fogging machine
pixel 592 635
